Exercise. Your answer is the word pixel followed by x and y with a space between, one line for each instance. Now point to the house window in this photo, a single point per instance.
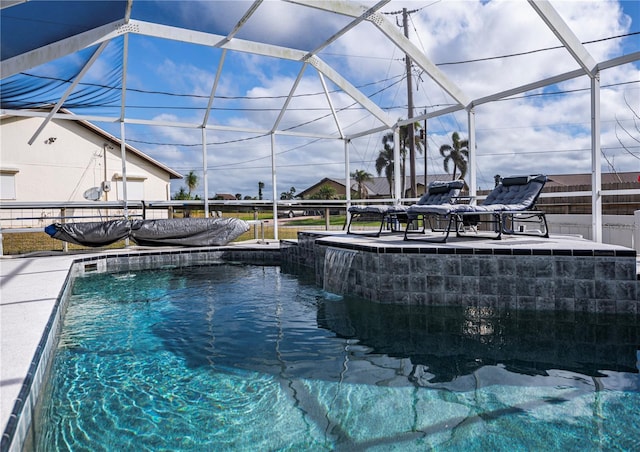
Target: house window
pixel 135 189
pixel 8 184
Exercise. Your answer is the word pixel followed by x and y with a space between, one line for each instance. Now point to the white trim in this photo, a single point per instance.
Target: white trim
pixel 118 176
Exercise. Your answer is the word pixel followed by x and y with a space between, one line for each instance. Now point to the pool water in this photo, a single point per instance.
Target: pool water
pixel 240 357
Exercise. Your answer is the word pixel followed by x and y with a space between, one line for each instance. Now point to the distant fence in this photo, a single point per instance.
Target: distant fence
pixel 621 230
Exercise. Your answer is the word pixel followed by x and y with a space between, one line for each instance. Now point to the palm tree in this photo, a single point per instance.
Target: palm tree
pixel 385 158
pixel 325 192
pixel 458 153
pixel 384 162
pixel 361 176
pixel 260 187
pixel 191 181
pixel 182 194
pixel 405 141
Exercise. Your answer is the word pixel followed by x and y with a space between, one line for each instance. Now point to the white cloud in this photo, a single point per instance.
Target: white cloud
pixel 547 134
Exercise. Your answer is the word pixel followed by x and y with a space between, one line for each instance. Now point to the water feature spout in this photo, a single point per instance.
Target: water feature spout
pixel 337 263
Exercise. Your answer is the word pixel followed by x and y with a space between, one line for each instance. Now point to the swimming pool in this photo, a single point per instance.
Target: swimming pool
pixel 241 357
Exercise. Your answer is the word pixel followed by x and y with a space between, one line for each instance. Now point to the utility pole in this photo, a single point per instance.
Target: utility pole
pixel 410 129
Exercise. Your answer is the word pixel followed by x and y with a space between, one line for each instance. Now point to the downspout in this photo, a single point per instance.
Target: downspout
pixel 105 146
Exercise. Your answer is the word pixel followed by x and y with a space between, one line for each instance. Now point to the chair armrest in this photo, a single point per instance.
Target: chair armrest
pixel 466 199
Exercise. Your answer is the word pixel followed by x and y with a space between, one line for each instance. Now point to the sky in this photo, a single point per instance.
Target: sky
pixel 481 47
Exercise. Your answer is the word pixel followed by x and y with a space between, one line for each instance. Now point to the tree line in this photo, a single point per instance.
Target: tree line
pixel 455 157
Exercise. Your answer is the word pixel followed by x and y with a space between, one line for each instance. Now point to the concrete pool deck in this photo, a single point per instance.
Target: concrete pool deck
pixel 31 285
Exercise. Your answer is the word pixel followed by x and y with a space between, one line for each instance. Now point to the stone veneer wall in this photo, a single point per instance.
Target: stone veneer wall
pixel 139 260
pixel 602 281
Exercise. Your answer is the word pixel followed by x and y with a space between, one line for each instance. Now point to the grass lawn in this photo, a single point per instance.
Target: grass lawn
pixel 28 242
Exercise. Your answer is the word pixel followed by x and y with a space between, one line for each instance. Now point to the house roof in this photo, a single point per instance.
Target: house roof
pixel 98 131
pixel 115 140
pixel 225 196
pixel 569 180
pixel 379 186
pixel 376 186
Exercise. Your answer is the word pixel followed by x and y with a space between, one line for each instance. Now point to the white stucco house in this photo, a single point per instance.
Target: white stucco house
pixel 71 157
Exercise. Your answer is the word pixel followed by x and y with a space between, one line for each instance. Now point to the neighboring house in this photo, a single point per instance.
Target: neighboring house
pixel 225 197
pixel 377 187
pixel 625 204
pixel 584 180
pixel 71 157
pixel 619 204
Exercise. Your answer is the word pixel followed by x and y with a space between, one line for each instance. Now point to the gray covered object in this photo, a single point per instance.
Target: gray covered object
pixel 94 234
pixel 187 231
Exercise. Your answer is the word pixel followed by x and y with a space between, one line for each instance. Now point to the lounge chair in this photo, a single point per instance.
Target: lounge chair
pixel 508 209
pixel 438 192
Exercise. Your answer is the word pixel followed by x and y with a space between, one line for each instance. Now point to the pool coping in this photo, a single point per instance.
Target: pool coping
pixel 33 289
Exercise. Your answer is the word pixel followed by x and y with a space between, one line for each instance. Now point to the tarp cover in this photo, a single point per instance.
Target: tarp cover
pixel 180 231
pixel 187 231
pixel 97 233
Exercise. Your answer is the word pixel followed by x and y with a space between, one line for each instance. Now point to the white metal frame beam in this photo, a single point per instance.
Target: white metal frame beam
pixel 354 9
pixel 359 13
pixel 214 88
pixel 566 36
pixel 10 3
pixel 289 97
pixel 68 91
pixel 351 26
pixel 212 40
pixel 127 12
pixel 596 162
pixel 352 91
pixel 50 52
pixel 333 110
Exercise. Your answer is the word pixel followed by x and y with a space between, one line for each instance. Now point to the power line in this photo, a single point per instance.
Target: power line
pixel 198 96
pixel 155 143
pixel 396 13
pixel 529 52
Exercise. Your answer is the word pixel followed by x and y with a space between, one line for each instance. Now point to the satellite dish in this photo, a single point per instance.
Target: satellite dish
pixel 93 194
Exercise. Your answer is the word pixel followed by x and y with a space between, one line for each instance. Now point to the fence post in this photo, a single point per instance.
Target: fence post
pixel 255 225
pixel 65 245
pixel 636 231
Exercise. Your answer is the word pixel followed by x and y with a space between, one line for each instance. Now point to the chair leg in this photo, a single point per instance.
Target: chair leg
pixel 443 239
pixel 496 221
pixel 500 219
pixel 351 218
pixel 367 234
pixel 526 218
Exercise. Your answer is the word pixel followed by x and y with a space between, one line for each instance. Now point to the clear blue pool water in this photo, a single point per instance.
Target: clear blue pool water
pixel 238 357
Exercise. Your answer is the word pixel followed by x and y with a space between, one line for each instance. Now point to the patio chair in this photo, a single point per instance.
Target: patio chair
pixel 508 209
pixel 438 192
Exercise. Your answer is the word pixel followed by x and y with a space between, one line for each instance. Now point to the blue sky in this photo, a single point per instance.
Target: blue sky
pixel 542 131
